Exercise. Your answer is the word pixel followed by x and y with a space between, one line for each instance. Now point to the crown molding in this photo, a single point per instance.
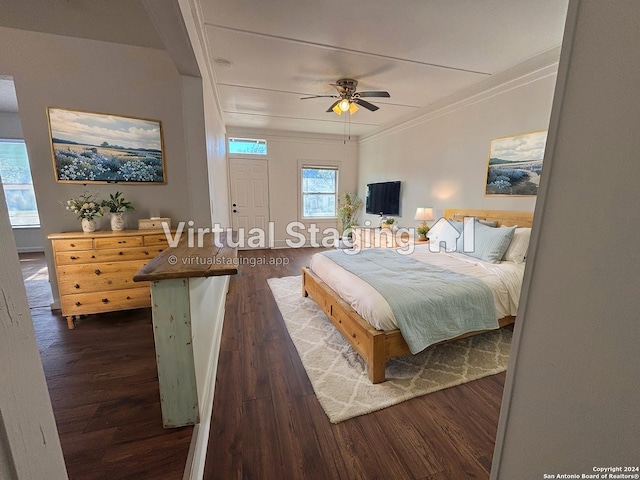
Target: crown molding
pixel 534 69
pixel 194 25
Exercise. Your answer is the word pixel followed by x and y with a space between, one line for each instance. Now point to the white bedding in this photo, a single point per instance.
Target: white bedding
pixel 504 279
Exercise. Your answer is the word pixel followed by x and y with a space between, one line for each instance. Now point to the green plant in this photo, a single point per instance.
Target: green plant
pixel 85 206
pixel 117 204
pixel 389 221
pixel 348 209
pixel 423 230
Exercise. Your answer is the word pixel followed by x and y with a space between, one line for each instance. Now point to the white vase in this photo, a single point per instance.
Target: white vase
pixel 117 222
pixel 88 225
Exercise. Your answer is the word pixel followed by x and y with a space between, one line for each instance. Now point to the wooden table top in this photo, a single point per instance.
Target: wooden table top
pixel 103 233
pixel 214 258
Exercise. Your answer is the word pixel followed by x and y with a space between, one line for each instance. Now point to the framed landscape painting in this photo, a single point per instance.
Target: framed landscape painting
pixel 92 147
pixel 515 164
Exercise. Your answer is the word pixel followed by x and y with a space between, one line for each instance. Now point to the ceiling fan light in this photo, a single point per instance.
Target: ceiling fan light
pixel 336 108
pixel 353 108
pixel 344 104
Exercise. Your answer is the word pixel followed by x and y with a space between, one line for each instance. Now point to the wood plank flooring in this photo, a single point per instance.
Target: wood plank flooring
pixel 267 423
pixel 103 384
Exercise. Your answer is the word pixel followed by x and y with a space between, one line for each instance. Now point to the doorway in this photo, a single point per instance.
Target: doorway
pixel 249 191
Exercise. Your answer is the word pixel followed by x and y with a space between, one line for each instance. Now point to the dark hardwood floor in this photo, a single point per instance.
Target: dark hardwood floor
pixel 103 384
pixel 266 424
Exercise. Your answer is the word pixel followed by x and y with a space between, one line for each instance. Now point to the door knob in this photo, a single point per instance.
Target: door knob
pixel 235 211
pixel 234 205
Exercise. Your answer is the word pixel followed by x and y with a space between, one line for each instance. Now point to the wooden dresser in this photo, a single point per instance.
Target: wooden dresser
pixel 95 270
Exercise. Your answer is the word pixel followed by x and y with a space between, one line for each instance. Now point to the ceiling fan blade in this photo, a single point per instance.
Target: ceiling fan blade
pixel 330 109
pixel 365 104
pixel 319 96
pixel 374 94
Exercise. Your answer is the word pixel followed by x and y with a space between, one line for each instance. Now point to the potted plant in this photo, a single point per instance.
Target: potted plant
pixel 87 207
pixel 348 209
pixel 387 222
pixel 117 205
pixel 423 230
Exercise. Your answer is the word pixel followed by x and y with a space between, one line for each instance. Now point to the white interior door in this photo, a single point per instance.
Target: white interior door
pixel 249 187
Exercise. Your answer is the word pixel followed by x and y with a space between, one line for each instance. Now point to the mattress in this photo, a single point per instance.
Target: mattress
pixel 504 279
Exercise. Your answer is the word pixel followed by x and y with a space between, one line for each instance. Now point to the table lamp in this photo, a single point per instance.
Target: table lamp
pixel 423 214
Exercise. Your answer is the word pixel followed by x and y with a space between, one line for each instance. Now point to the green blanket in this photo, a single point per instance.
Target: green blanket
pixel 430 303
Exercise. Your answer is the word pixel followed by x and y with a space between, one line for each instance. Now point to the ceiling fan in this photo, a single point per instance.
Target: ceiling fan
pixel 348 98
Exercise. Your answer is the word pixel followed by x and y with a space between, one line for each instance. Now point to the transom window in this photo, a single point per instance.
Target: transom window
pixel 247 146
pixel 18 186
pixel 319 188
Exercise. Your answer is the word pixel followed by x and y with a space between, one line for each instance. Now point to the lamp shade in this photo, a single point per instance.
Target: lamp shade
pixel 424 213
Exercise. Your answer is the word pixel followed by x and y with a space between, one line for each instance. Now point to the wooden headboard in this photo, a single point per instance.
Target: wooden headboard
pixel 503 217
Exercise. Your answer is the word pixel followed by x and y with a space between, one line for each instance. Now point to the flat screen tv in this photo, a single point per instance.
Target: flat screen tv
pixel 383 198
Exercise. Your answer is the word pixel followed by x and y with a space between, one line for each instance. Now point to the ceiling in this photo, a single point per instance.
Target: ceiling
pixel 420 51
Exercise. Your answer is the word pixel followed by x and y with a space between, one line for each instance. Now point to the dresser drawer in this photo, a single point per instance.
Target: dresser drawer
pixel 156 239
pixel 85 303
pixel 107 255
pixel 96 278
pixel 72 244
pixel 115 242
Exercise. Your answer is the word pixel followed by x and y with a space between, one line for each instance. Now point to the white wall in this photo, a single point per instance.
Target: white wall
pixel 285 151
pixel 29 443
pixel 51 70
pixel 206 328
pixel 442 157
pixel 571 396
pixel 10 125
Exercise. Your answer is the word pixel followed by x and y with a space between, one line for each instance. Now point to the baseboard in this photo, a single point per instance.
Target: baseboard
pixel 30 250
pixel 194 469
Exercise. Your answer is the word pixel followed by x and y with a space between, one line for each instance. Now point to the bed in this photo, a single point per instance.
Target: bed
pixel 377 345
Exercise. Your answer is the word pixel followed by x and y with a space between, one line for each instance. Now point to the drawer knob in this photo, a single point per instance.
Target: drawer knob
pixel 72 244
pixel 120 253
pixel 76 286
pixel 122 241
pixel 73 257
pixel 97 271
pixel 105 300
pixel 78 304
pixel 128 297
pixel 146 253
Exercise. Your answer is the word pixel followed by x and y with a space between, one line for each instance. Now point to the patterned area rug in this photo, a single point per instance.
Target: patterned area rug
pixel 339 375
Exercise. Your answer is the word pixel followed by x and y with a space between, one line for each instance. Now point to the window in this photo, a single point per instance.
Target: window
pixel 319 187
pixel 247 146
pixel 18 187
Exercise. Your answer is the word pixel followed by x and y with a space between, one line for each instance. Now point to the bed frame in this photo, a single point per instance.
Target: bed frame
pixel 376 346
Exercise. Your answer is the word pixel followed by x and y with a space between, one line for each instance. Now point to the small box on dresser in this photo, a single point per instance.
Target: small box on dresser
pixel 95 270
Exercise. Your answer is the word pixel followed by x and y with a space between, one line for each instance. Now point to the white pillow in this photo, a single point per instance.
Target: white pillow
pixel 489 243
pixel 519 245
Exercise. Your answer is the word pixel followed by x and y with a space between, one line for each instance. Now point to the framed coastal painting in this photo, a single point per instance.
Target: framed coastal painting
pixel 515 164
pixel 90 147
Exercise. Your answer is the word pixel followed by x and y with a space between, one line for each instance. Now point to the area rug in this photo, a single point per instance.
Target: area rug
pixel 38 288
pixel 339 375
